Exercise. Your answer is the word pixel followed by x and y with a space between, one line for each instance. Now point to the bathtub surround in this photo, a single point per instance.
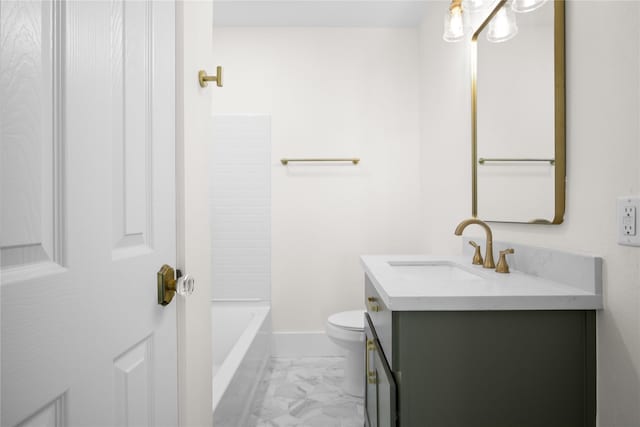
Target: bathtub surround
pixel 603 109
pixel 240 207
pixel 240 216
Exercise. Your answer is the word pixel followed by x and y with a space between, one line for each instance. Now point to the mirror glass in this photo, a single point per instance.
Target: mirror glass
pixel 519 160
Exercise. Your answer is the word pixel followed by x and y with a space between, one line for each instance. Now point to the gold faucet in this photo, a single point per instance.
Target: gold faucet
pixel 477 256
pixel 488 257
pixel 503 267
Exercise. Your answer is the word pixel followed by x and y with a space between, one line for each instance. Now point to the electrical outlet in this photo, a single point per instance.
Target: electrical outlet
pixel 629 220
pixel 627 210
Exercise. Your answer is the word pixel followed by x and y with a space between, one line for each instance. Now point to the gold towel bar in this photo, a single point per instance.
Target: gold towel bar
pixel 285 162
pixel 482 160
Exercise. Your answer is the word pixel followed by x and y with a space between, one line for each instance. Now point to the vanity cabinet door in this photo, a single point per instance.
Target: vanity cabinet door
pixel 380 387
pixel 385 387
pixel 370 389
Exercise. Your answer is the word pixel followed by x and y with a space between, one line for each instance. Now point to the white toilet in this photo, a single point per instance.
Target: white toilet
pixel 346 329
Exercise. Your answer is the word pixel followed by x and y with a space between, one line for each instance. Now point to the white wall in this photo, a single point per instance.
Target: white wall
pixel 603 50
pixel 331 92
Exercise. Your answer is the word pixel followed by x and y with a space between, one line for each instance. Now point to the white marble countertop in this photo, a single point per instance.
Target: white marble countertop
pixel 406 288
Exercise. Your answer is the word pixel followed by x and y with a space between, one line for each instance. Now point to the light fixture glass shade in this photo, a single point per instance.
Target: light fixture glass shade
pixel 474 5
pixel 522 6
pixel 503 26
pixel 453 25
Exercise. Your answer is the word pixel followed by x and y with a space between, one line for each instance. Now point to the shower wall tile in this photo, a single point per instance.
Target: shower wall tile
pixel 240 206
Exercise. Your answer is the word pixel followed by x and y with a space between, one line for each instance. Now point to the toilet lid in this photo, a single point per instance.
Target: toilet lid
pixel 352 320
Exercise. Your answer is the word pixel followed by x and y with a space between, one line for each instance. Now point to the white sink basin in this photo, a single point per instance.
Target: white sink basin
pixel 431 271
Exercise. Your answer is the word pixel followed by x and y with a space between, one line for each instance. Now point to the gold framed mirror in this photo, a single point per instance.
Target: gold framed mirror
pixel 518 151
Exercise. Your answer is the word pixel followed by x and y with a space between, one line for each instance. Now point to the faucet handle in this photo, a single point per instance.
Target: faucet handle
pixel 477 256
pixel 502 266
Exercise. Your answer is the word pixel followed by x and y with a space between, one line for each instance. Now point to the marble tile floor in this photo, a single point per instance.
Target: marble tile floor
pixel 305 392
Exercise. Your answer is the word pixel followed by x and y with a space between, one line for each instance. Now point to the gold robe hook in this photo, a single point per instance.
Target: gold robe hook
pixel 203 78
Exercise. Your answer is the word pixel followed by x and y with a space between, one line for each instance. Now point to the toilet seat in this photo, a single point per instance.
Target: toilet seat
pixel 350 320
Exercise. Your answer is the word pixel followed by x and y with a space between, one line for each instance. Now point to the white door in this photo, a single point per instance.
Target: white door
pixel 87 185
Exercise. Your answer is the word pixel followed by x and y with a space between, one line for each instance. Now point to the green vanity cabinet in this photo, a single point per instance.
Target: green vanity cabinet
pixel 479 368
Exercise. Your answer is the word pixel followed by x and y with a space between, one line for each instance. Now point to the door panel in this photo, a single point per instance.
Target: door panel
pixel 133 380
pixel 131 93
pixel 52 415
pixel 87 212
pixel 31 165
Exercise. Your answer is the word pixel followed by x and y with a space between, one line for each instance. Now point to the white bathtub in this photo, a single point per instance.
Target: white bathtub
pixel 241 335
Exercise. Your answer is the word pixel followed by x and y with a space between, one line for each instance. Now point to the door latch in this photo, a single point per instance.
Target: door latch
pixel 168 285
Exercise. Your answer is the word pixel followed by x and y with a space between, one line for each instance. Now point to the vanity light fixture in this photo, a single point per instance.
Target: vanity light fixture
pixel 453 23
pixel 474 5
pixel 521 6
pixel 503 26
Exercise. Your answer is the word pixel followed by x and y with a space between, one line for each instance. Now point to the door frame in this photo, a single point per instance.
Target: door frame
pixel 193 104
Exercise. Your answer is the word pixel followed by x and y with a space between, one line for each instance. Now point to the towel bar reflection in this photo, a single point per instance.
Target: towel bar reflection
pixel 483 160
pixel 354 160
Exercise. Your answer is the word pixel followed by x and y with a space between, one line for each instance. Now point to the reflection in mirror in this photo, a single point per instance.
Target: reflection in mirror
pixel 519 136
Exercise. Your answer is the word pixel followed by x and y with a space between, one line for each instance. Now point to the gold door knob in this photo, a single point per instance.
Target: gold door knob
pixel 168 285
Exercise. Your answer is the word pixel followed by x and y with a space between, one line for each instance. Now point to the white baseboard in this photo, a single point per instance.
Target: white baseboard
pixel 303 344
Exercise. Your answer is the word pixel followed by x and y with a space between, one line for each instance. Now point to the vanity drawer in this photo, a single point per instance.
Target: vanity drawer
pixel 381 319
